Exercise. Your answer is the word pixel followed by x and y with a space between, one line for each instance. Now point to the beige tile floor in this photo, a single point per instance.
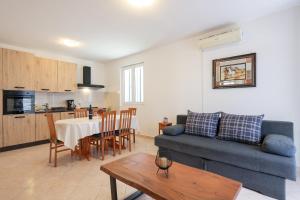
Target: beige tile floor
pixel 26 174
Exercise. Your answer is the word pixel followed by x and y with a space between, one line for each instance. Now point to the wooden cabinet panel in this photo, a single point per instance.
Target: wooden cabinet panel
pixel 46 75
pixel 1 70
pixel 67 77
pixel 18 70
pixel 18 129
pixel 1 102
pixel 1 132
pixel 41 126
pixel 67 115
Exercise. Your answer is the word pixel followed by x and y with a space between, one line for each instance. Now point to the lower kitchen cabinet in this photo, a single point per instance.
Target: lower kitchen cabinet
pixel 67 115
pixel 1 132
pixel 18 129
pixel 41 126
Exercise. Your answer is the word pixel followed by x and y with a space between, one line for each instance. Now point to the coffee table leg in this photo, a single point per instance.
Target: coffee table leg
pixel 113 188
pixel 134 196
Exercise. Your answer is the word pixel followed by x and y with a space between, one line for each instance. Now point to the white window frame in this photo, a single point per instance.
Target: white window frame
pixel 133 85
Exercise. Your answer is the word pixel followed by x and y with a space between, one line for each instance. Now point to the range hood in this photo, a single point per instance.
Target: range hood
pixel 87 80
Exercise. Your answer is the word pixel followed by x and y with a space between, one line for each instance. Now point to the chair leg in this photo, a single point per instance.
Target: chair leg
pixel 102 146
pixel 114 146
pixel 55 156
pixel 133 135
pixel 129 138
pixel 120 144
pixel 50 152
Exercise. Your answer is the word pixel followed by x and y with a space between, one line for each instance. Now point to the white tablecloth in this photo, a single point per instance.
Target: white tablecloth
pixel 71 130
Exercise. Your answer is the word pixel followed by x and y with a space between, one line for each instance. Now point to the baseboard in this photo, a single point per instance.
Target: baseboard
pixel 20 146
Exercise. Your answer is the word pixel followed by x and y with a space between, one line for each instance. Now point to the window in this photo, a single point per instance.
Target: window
pixel 132 84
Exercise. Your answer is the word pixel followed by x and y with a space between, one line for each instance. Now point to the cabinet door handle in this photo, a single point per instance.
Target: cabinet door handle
pixel 70 113
pixel 18 117
pixel 19 87
pixel 44 89
pixel 68 90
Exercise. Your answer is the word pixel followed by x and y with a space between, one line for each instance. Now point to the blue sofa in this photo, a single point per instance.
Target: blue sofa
pixel 257 170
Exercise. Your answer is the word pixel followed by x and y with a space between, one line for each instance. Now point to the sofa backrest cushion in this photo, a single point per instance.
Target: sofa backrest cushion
pixel 268 127
pixel 202 124
pixel 240 128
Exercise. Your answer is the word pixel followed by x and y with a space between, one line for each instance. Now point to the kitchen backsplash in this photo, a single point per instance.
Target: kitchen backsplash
pixel 83 97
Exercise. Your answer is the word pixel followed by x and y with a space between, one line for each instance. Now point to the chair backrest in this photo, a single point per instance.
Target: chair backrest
pixel 125 120
pixel 133 110
pixel 79 113
pixel 108 120
pixel 51 126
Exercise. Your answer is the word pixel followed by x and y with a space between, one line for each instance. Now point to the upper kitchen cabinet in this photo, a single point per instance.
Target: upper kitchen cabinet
pixel 67 77
pixel 18 70
pixel 46 75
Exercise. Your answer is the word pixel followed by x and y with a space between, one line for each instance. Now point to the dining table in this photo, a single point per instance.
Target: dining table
pixel 75 132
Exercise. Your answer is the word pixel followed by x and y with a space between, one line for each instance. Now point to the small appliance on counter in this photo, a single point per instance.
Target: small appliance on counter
pixel 70 104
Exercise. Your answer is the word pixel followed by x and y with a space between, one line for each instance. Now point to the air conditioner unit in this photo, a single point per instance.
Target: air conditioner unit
pixel 219 37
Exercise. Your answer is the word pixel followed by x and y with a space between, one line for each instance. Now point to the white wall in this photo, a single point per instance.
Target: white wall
pixel 172 82
pixel 84 97
pixel 175 75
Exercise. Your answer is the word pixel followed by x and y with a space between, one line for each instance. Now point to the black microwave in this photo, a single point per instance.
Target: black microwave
pixel 18 102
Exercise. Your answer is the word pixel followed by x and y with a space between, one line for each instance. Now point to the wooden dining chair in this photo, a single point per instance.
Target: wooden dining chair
pixel 133 111
pixel 54 142
pixel 81 112
pixel 107 131
pixel 124 129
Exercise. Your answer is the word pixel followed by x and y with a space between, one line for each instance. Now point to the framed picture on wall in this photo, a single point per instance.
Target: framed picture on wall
pixel 235 72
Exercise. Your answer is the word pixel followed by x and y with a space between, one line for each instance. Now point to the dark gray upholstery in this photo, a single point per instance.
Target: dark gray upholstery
pixel 279 144
pixel 257 170
pixel 174 130
pixel 241 155
pixel 259 182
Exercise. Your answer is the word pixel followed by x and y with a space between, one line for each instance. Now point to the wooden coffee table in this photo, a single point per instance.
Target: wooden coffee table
pixel 184 182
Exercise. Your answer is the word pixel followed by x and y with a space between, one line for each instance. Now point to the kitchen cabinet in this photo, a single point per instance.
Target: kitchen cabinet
pixel 67 77
pixel 18 70
pixel 18 129
pixel 1 69
pixel 41 126
pixel 1 132
pixel 45 75
pixel 1 102
pixel 67 115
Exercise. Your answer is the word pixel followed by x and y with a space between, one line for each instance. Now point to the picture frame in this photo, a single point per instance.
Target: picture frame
pixel 234 72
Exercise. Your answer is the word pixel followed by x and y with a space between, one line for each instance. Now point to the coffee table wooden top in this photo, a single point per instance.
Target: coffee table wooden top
pixel 184 182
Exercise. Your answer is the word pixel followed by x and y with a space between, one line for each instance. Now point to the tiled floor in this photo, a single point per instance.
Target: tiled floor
pixel 26 174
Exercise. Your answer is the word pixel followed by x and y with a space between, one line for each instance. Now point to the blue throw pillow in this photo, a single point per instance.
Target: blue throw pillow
pixel 240 128
pixel 279 144
pixel 202 124
pixel 174 130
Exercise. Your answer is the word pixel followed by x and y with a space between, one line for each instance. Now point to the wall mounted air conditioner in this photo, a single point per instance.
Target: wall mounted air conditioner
pixel 219 37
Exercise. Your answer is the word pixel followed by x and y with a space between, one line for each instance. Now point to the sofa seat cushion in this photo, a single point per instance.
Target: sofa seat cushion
pixel 237 154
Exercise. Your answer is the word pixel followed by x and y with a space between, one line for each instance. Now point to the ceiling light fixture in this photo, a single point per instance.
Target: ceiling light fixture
pixel 141 3
pixel 70 43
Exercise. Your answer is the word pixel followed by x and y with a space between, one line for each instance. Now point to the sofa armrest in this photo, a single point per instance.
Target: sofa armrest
pixel 279 144
pixel 174 130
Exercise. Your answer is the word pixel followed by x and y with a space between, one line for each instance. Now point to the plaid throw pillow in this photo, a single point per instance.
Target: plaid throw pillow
pixel 202 124
pixel 240 128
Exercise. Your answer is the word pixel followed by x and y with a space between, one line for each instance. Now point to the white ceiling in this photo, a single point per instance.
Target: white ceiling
pixel 110 29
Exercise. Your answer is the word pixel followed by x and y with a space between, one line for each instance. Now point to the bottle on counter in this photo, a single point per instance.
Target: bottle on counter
pixel 90 112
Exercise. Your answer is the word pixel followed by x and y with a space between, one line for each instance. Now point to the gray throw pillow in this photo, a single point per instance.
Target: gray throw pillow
pixel 279 144
pixel 240 128
pixel 174 130
pixel 202 124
